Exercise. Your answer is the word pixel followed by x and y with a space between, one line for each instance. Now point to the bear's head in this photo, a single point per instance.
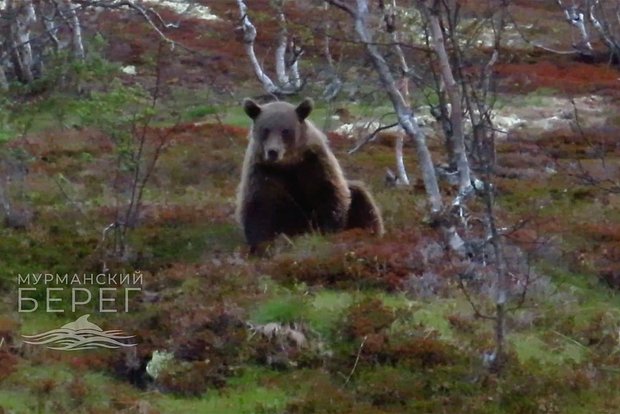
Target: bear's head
pixel 279 129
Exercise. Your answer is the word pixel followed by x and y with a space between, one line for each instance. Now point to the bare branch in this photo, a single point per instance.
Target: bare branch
pixel 249 37
pixel 357 360
pixel 457 135
pixel 342 6
pixel 389 17
pixel 577 19
pixel 406 117
pixel 370 137
pixel 472 303
pixel 536 44
pixel 116 4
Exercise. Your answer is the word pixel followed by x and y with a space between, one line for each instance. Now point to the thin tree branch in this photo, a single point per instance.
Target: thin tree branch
pixel 370 137
pixel 342 6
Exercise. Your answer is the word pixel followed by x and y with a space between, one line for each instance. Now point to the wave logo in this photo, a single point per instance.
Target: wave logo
pixel 78 335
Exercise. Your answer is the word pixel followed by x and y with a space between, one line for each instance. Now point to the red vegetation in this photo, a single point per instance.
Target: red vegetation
pixel 367 318
pixel 604 252
pixel 8 363
pixel 422 352
pixel 352 261
pixel 565 76
pixel 591 143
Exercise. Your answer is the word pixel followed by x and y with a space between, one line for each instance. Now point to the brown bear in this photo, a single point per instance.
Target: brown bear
pixel 291 182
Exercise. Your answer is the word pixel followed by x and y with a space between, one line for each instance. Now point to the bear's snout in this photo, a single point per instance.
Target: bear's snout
pixel 272 155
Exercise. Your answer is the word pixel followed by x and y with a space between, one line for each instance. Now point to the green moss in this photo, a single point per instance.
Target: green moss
pixel 394 301
pixel 310 245
pixel 55 248
pixel 593 297
pixel 326 309
pixel 184 242
pixel 283 309
pixel 17 401
pixel 389 386
pixel 55 387
pixel 400 207
pixel 532 347
pixel 433 315
pixel 200 111
pixel 38 322
pixel 244 395
pixel 236 117
pixel 249 401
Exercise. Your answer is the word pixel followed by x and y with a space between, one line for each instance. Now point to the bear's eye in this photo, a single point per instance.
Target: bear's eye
pixel 287 134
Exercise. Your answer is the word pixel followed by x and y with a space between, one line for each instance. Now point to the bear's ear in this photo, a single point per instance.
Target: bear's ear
pixel 304 109
pixel 251 108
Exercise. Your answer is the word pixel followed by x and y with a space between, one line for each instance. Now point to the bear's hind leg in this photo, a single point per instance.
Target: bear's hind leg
pixel 363 212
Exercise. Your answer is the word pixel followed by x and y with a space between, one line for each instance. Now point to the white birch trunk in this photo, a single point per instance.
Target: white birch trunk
pixel 280 54
pixel 326 46
pixel 335 85
pixel 401 172
pixel 249 36
pixel 404 66
pixel 405 115
pixel 47 11
pixel 407 121
pixel 402 85
pixel 502 279
pixel 602 27
pixel 4 200
pixel 4 84
pixel 577 19
pixel 293 66
pixel 20 37
pixel 68 13
pixel 456 110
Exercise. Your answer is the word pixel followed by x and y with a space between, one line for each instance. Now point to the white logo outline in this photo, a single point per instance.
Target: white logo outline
pixel 79 335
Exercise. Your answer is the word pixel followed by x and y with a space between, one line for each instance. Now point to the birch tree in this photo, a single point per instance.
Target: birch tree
pixel 406 118
pixel 389 18
pixel 55 25
pixel 465 100
pixel 471 103
pixel 287 54
pixel 598 17
pixel 26 21
pixel 67 12
pixel 457 132
pixel 21 16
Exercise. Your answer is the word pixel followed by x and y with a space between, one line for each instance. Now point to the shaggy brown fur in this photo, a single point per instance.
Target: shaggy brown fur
pixel 363 211
pixel 291 182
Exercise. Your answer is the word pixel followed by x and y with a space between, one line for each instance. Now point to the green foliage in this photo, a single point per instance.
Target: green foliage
pixel 326 309
pixel 118 106
pixel 250 400
pixel 432 315
pixel 283 309
pixel 53 387
pixel 388 386
pixel 557 349
pixel 59 93
pixel 59 249
pixel 200 111
pixel 161 244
